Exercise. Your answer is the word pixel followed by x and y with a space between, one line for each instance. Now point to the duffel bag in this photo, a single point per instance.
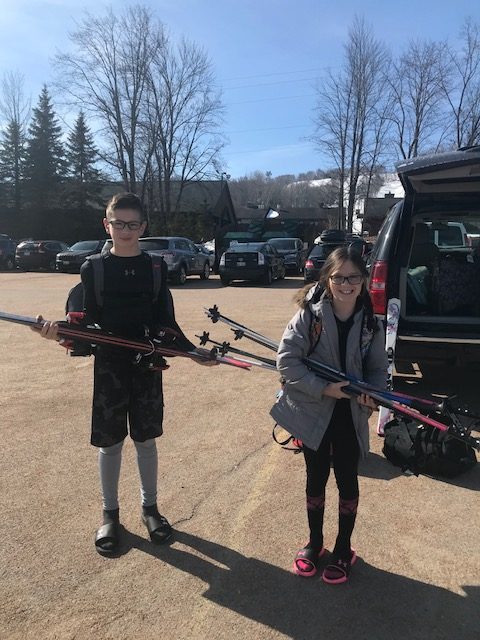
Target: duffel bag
pixel 425 449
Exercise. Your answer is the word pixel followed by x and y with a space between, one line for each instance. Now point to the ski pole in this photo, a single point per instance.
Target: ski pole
pixel 225 347
pixel 240 330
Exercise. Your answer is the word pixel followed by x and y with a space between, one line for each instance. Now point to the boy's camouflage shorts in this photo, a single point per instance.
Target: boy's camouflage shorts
pixel 121 389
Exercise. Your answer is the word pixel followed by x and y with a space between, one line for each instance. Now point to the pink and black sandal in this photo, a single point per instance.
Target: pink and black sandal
pixel 338 570
pixel 305 563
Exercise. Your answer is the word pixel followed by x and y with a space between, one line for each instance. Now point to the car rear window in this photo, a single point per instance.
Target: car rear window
pixel 246 246
pixel 450 237
pixel 84 245
pixel 284 244
pixel 323 250
pixel 154 245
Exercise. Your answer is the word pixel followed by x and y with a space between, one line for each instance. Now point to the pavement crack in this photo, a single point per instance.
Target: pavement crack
pixel 218 479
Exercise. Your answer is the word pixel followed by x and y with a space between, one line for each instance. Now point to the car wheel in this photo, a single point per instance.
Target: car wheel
pixel 281 273
pixel 181 275
pixel 10 264
pixel 268 277
pixel 206 272
pixel 51 265
pixel 224 281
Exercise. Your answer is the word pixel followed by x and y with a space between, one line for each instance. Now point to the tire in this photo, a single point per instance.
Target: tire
pixel 181 275
pixel 268 277
pixel 224 281
pixel 206 271
pixel 52 265
pixel 10 263
pixel 281 274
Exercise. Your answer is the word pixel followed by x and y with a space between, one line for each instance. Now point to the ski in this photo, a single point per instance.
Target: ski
pixel 393 315
pixel 146 347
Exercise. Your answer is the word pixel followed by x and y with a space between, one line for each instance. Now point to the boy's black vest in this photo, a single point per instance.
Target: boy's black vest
pixel 74 307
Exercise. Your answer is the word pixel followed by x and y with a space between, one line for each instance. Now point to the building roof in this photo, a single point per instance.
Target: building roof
pixel 293 213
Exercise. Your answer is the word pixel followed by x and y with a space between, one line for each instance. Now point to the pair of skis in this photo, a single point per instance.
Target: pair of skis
pixel 393 315
pixel 418 409
pixel 145 347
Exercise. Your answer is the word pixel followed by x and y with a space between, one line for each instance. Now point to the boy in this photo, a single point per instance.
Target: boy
pixel 122 386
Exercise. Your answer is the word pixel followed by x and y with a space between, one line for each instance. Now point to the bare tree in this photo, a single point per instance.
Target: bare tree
pixel 107 74
pixel 462 86
pixel 184 113
pixel 15 112
pixel 348 112
pixel 416 83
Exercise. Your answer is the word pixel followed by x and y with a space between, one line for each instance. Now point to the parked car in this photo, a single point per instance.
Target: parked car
pixel 7 252
pixel 329 240
pixel 72 259
pixel 208 252
pixel 38 254
pixel 422 257
pixel 183 258
pixel 251 261
pixel 293 251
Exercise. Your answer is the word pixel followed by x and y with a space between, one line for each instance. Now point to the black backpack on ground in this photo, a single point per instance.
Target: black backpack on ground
pixel 424 449
pixel 74 304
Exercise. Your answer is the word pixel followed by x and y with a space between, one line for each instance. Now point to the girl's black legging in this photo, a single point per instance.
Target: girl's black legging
pixel 340 445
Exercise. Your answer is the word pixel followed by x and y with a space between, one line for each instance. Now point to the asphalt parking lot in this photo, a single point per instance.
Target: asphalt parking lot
pixel 236 500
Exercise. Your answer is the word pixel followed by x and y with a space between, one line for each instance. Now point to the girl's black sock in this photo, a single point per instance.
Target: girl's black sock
pixel 151 510
pixel 111 516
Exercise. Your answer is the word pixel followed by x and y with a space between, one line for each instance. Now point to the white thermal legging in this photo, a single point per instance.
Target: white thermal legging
pixel 109 462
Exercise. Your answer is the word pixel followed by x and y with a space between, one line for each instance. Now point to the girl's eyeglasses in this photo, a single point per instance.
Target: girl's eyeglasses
pixel 356 278
pixel 120 224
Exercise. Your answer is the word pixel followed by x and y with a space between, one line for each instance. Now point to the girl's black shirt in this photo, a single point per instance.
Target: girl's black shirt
pixel 128 307
pixel 343 328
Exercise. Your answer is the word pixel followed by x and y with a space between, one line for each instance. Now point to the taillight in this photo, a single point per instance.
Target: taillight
pixel 309 265
pixel 261 258
pixel 467 242
pixel 222 260
pixel 378 283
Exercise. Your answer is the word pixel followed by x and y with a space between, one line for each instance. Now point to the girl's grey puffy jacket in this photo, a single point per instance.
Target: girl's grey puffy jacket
pixel 302 409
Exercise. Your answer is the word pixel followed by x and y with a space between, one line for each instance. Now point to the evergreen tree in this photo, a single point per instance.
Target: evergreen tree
pixel 45 166
pixel 12 159
pixel 84 179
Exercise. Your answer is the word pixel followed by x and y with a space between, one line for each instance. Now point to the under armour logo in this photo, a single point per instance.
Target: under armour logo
pixel 129 272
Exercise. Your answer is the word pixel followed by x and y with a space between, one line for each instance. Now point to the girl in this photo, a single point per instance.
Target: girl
pixel 335 325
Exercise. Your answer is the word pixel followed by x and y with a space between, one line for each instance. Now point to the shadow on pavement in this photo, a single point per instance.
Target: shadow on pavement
pixel 375 604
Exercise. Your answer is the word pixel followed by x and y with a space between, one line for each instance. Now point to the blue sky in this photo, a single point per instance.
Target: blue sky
pixel 267 56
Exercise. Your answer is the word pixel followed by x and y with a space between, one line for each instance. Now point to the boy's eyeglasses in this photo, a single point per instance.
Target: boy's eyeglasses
pixel 356 278
pixel 134 225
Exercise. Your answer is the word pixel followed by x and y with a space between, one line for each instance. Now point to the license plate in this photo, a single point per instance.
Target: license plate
pixel 241 263
pixel 65 262
pixel 26 253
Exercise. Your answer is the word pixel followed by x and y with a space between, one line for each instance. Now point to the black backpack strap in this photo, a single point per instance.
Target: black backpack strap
pixel 315 332
pixel 157 265
pixel 97 266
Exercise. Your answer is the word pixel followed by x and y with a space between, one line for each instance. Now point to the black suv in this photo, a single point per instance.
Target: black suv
pixel 7 252
pixel 329 240
pixel 293 251
pixel 424 255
